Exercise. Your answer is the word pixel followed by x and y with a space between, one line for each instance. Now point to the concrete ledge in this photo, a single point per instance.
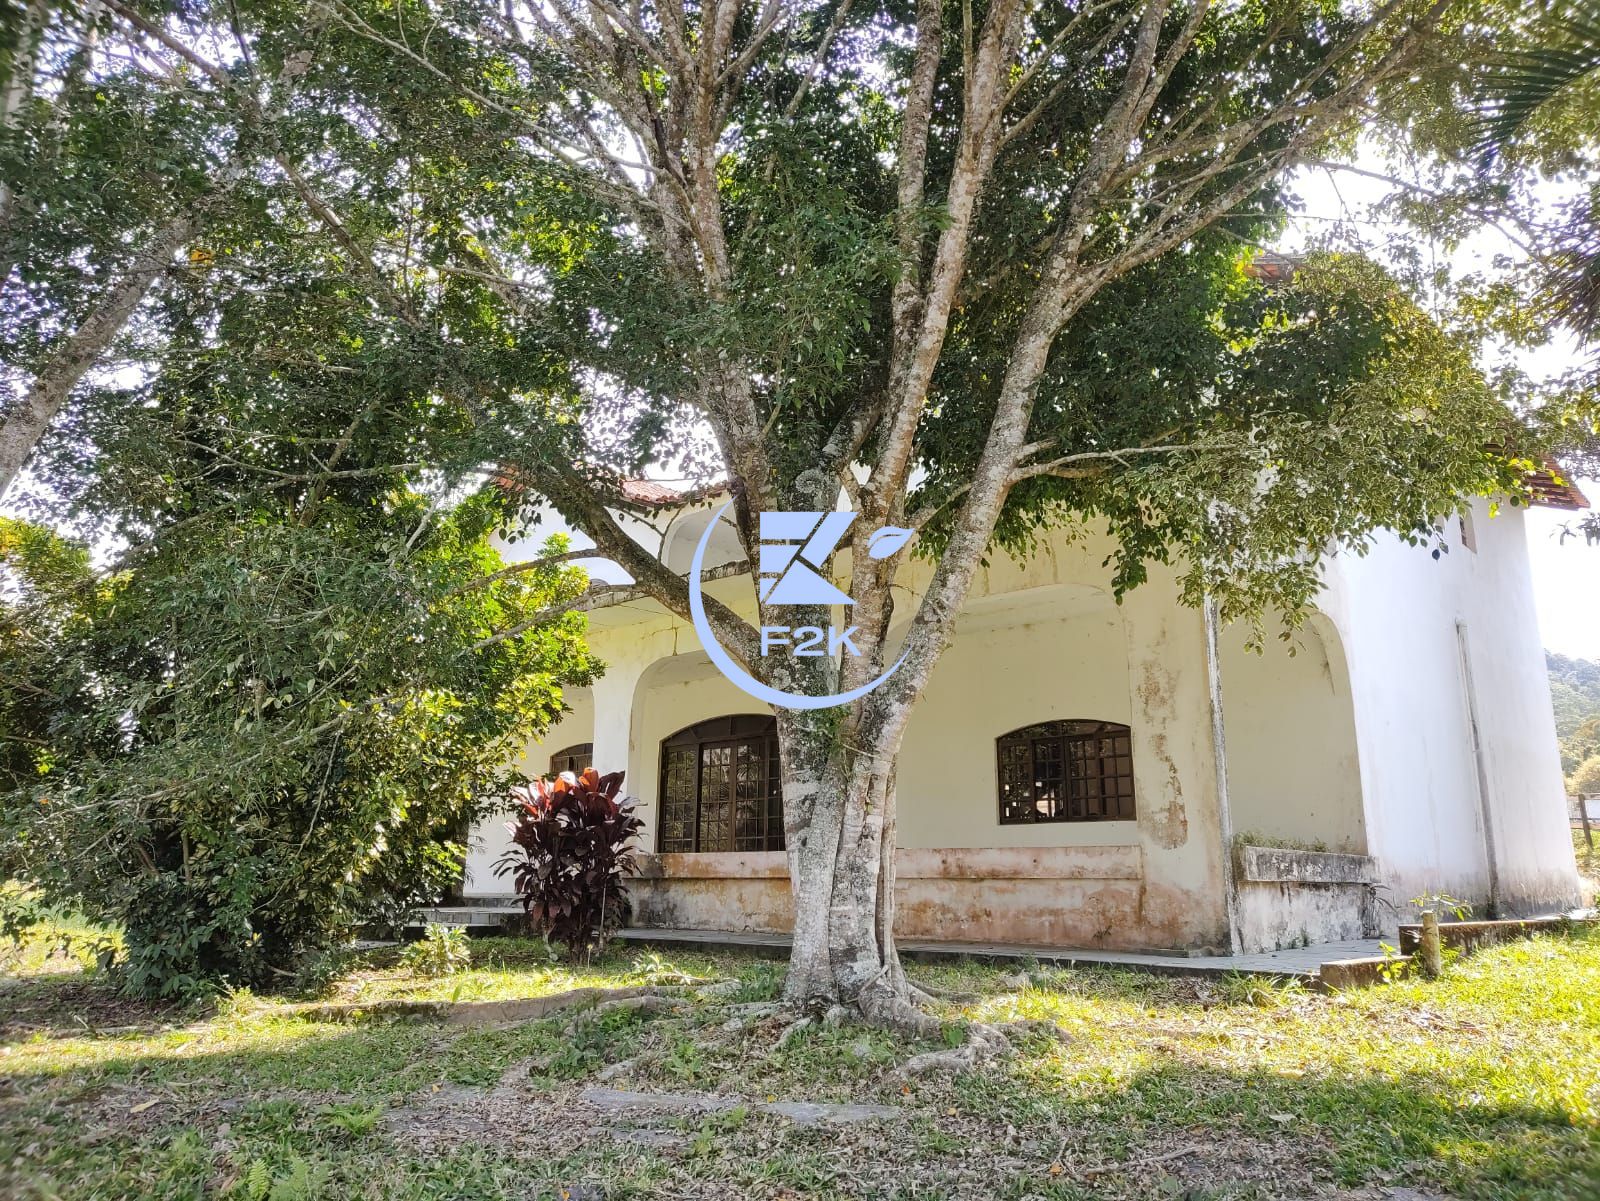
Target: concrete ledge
pixel 1467 936
pixel 1021 863
pixel 1356 973
pixel 1280 865
pixel 472 914
pixel 937 863
pixel 1300 963
pixel 716 865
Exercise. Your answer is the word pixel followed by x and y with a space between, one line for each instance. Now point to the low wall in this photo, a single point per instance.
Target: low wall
pixel 1291 898
pixel 1470 935
pixel 1091 897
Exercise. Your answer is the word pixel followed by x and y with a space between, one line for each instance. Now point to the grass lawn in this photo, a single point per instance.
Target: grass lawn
pixel 1588 865
pixel 1483 1085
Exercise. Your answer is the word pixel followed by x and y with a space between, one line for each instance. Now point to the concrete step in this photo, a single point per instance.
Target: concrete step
pixel 476 915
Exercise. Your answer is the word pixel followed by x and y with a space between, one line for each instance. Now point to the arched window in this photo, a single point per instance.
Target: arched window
pixel 1066 771
pixel 572 758
pixel 720 787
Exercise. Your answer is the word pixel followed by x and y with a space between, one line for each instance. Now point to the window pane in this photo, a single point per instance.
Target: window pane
pixel 677 800
pixel 716 798
pixel 1066 771
pixel 721 786
pixel 572 758
pixel 750 796
pixel 1016 781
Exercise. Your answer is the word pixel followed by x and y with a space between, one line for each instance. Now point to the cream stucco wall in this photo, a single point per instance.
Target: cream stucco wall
pixel 1439 803
pixel 488 840
pixel 1000 675
pixel 1362 740
pixel 1294 771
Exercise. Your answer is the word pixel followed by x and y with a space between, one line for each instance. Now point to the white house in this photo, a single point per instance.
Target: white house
pixel 1080 773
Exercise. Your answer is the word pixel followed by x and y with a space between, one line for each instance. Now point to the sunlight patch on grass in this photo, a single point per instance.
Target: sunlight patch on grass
pixel 1483 1085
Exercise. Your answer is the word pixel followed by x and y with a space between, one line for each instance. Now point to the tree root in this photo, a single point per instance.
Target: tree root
pixel 684 979
pixel 793 1031
pixel 886 1009
pixel 984 1042
pixel 650 1003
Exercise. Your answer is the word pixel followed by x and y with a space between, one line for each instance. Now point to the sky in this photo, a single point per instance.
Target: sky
pixel 1566 582
pixel 1566 575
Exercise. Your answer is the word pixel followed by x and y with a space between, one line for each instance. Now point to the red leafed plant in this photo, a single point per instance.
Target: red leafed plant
pixel 570 853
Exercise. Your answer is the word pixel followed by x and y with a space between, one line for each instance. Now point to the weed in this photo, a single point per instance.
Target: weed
pixel 352 1117
pixel 441 951
pixel 1268 992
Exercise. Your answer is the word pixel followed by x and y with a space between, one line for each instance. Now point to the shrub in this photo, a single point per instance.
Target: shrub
pixel 570 855
pixel 1585 779
pixel 441 951
pixel 288 729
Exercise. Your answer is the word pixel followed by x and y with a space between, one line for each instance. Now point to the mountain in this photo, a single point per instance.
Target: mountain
pixel 1575 694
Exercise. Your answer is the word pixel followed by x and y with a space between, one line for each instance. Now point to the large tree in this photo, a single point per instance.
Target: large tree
pixel 869 248
pixel 979 267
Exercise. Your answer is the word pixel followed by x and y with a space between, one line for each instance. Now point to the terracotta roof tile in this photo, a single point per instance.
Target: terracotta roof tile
pixel 1553 489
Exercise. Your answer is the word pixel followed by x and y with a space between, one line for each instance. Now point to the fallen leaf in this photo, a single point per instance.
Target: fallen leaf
pixel 144 1105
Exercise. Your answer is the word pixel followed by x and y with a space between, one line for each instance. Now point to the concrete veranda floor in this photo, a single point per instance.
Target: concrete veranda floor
pixel 1299 962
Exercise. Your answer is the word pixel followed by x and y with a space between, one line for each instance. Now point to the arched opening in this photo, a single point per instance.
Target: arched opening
pixel 1294 776
pixel 575 758
pixel 720 787
pixel 677 549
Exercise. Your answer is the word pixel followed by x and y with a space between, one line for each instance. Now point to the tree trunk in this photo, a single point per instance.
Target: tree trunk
pixel 839 805
pixel 28 421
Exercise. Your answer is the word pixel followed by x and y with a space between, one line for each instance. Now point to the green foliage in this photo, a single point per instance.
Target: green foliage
pixel 1326 407
pixel 1575 693
pixel 1532 93
pixel 48 595
pixel 352 1117
pixel 441 951
pixel 1443 902
pixel 1266 992
pixel 33 934
pixel 288 725
pixel 1585 778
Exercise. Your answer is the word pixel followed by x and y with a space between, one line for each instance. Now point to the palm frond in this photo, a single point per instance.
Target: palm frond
pixel 1518 83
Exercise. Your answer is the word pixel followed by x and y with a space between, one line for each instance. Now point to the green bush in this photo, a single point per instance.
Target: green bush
pixel 441 951
pixel 288 729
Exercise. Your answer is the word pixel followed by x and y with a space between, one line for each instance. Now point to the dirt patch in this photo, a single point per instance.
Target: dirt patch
pixel 65 1008
pixel 804 1113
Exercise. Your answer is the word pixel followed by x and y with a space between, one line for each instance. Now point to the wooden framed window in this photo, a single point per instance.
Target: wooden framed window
pixel 721 789
pixel 572 758
pixel 1066 771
